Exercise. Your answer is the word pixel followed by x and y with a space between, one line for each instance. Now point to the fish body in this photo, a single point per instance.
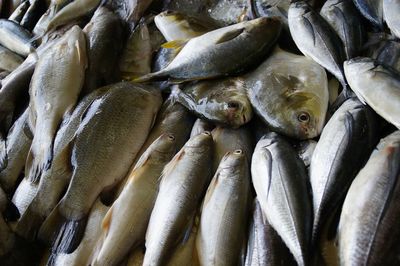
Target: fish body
pixel 222 101
pixel 199 126
pixel 182 186
pixel 337 158
pixel 391 10
pixel 224 212
pixel 316 39
pixel 373 82
pixel 388 53
pixel 221 52
pixel 119 121
pixel 124 226
pixel 19 12
pixel 54 90
pixel 104 37
pixel 371 10
pixel 280 181
pixel 290 100
pixel 346 21
pixel 16 38
pixel 367 233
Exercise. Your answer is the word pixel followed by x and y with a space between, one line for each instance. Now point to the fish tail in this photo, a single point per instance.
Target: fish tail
pixel 29 223
pixel 62 233
pixel 36 164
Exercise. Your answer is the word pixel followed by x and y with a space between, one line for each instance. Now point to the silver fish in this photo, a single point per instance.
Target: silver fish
pixel 280 180
pixel 19 12
pixel 338 158
pixel 373 82
pixel 316 39
pixel 346 21
pixel 368 233
pixel 306 149
pixel 223 51
pixel 9 61
pixel 391 10
pixel 371 10
pixel 183 183
pixel 16 38
pixel 199 126
pixel 224 212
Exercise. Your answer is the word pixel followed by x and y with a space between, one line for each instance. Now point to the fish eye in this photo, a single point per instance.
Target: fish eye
pixel 233 105
pixel 304 117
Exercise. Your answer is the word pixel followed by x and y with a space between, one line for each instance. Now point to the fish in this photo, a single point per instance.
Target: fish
pixel 280 181
pixel 291 100
pixel 127 111
pixel 136 57
pixel 136 257
pixel 124 226
pixel 18 143
pixel 222 101
pixel 36 9
pixel 305 150
pixel 229 140
pixel 221 52
pixel 54 181
pixel 337 158
pixel 224 212
pixel 54 89
pixel 367 230
pixel 84 252
pixel 347 23
pixel 391 9
pixel 369 79
pixel 19 12
pixel 9 61
pixel 199 126
pixel 104 38
pixel 15 38
pixel 388 54
pixel 71 12
pixel 271 8
pixel 178 26
pixel 183 184
pixel 316 39
pixel 130 11
pixel 13 91
pixel 265 246
pixel 24 194
pixel 371 10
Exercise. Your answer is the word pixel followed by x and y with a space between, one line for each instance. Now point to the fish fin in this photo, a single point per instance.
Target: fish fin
pixel 151 76
pixel 51 226
pixel 29 223
pixel 35 165
pixel 81 56
pixel 172 164
pixel 27 131
pixel 175 45
pixel 229 36
pixel 105 224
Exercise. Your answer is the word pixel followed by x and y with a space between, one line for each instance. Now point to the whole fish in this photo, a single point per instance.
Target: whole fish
pixel 104 37
pixel 182 186
pixel 201 125
pixel 124 226
pixel 178 26
pixel 9 61
pixel 224 212
pixel 373 82
pixel 13 91
pixel 18 143
pixel 136 57
pixel 391 10
pixel 19 12
pixel 290 100
pixel 71 12
pixel 371 10
pixel 265 246
pixel 119 121
pixel 368 231
pixel 54 181
pixel 346 21
pixel 345 144
pixel 229 140
pixel 221 52
pixel 54 89
pixel 316 39
pixel 280 181
pixel 222 101
pixel 84 252
pixel 16 38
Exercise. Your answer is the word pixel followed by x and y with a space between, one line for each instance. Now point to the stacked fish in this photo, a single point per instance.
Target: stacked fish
pixel 176 132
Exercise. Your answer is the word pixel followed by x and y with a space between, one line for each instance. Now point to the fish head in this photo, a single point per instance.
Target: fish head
pixel 262 25
pixel 200 143
pixel 358 65
pixel 166 144
pixel 233 160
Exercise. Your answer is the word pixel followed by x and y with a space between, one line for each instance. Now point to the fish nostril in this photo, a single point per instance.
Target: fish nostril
pixel 171 137
pixel 238 152
pixel 207 133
